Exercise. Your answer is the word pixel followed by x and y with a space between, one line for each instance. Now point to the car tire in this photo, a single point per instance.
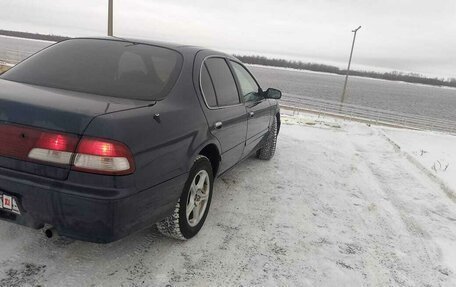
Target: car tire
pixel 183 224
pixel 268 150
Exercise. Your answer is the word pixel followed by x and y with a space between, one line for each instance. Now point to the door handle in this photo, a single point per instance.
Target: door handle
pixel 251 114
pixel 218 125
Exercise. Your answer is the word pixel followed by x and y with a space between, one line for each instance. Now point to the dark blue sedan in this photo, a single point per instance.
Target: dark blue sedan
pixel 101 137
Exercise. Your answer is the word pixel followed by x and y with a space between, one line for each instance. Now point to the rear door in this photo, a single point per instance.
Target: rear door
pixel 224 110
pixel 258 108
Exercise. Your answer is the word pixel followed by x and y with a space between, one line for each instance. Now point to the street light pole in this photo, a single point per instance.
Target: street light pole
pixel 110 17
pixel 349 63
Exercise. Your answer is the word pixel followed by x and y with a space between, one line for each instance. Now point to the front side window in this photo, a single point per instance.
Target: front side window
pixel 223 81
pixel 119 69
pixel 248 85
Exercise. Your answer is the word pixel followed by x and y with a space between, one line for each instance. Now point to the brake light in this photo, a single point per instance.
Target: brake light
pixel 56 142
pixel 103 156
pixel 90 155
pixel 54 148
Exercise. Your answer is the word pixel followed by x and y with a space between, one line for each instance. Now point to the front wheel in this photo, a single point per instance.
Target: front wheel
pixel 268 150
pixel 192 208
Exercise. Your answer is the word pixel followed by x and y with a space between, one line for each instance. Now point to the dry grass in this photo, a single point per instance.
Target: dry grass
pixel 3 68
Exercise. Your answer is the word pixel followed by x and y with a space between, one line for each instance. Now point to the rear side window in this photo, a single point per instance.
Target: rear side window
pixel 208 87
pixel 105 67
pixel 224 84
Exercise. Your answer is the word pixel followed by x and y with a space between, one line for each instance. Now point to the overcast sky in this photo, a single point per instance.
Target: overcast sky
pixel 405 35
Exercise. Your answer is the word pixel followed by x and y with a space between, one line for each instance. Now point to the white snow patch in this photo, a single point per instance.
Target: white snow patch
pixel 435 151
pixel 338 205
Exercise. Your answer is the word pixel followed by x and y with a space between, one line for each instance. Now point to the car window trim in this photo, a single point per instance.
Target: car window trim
pixel 241 101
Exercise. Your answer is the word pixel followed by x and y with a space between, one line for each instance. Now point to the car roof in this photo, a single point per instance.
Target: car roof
pixel 182 48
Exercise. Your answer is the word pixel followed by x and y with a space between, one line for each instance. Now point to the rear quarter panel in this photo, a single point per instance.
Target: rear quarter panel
pixel 164 138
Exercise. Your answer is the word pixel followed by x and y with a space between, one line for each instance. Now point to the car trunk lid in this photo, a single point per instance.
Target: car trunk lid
pixel 53 110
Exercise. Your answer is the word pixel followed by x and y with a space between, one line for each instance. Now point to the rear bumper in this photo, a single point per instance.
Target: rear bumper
pixel 81 216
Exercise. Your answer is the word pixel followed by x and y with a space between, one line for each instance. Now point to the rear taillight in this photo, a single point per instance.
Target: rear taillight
pixel 27 143
pixel 54 148
pixel 103 156
pixel 89 155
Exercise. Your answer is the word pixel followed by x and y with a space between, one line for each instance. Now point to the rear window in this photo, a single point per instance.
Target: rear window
pixel 104 67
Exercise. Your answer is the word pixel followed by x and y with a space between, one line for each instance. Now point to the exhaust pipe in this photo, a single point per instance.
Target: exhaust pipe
pixel 50 232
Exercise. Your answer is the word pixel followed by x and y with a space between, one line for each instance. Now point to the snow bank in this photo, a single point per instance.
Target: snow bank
pixel 436 152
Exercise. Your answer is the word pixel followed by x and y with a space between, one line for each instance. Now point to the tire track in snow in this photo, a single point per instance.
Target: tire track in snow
pixel 448 191
pixel 331 209
pixel 400 182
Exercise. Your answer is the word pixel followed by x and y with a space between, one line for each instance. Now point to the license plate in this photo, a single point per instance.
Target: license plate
pixel 9 203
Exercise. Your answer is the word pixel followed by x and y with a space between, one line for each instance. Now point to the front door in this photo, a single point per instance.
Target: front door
pixel 257 107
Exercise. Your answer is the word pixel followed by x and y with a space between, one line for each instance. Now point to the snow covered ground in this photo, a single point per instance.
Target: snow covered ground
pixel 341 204
pixel 436 152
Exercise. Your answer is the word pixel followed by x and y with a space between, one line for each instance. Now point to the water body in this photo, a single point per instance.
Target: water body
pixel 13 50
pixel 437 102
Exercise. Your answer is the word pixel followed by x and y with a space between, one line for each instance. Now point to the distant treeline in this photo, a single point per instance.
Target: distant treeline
pixel 392 76
pixel 26 35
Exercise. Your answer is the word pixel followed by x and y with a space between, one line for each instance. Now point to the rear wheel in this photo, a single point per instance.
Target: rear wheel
pixel 192 208
pixel 268 150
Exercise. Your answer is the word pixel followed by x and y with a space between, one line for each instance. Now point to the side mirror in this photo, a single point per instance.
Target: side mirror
pixel 272 94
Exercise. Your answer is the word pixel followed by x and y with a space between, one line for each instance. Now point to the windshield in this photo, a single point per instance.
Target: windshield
pixel 105 67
